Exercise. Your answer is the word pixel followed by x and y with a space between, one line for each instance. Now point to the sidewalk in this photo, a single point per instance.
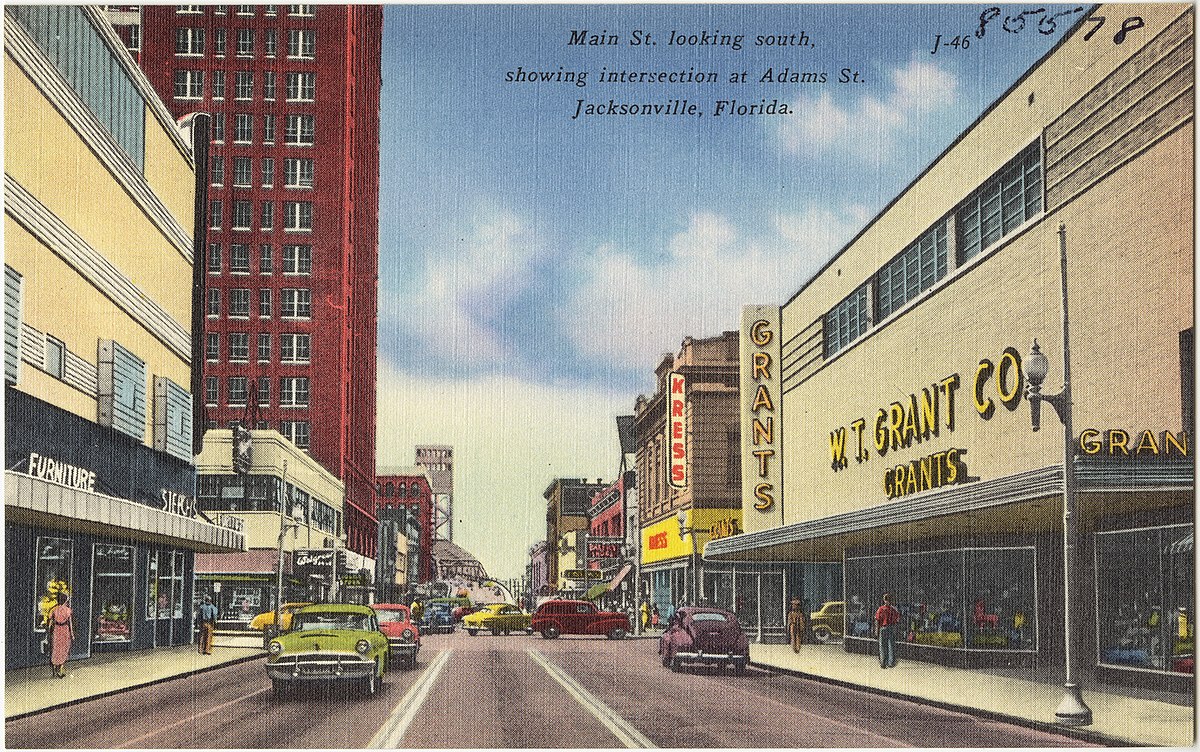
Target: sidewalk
pixel 1119 716
pixel 30 690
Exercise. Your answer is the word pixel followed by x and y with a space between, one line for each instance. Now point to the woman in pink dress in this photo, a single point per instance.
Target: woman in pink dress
pixel 62 634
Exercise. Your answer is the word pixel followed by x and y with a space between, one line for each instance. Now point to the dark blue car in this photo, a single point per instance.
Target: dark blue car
pixel 437 617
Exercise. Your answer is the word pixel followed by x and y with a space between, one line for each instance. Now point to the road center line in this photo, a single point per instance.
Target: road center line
pixel 190 719
pixel 396 726
pixel 620 728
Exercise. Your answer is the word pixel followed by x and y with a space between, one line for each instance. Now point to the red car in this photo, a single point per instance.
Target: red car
pixel 554 618
pixel 698 634
pixel 404 638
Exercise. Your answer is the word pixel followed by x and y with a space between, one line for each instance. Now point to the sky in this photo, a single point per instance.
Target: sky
pixel 534 267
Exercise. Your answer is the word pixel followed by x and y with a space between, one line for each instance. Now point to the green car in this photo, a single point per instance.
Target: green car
pixel 329 642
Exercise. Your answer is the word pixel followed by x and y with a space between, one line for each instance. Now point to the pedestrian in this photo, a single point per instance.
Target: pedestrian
pixel 208 625
pixel 62 634
pixel 795 625
pixel 886 619
pixel 415 610
pixel 645 613
pixel 654 617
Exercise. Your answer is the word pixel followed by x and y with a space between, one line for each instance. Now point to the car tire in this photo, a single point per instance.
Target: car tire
pixel 676 664
pixel 617 634
pixel 472 632
pixel 822 633
pixel 495 631
pixel 529 630
pixel 739 667
pixel 551 633
pixel 666 660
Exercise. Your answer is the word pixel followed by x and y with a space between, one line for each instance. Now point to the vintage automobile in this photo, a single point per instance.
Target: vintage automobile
pixel 404 637
pixel 559 617
pixel 826 622
pixel 438 616
pixel 699 634
pixel 499 618
pixel 329 642
pixel 267 618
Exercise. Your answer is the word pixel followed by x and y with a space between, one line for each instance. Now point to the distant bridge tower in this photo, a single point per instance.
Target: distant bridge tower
pixel 439 462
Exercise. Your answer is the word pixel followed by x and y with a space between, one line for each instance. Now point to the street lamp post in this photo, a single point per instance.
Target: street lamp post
pixel 1072 710
pixel 284 526
pixel 695 563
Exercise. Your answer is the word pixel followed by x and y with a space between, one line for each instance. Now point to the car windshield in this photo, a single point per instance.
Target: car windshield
pixel 331 620
pixel 389 615
pixel 707 616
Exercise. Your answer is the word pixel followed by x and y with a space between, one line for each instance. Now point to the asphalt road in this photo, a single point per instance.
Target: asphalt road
pixel 515 691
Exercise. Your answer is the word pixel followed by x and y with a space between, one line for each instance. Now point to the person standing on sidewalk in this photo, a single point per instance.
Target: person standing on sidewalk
pixel 62 634
pixel 886 619
pixel 795 625
pixel 645 614
pixel 208 624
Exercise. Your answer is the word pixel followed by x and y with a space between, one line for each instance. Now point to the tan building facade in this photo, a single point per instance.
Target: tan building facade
pixel 899 377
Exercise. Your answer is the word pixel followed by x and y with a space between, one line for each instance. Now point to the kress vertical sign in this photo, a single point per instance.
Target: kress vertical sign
pixel 676 431
pixel 762 476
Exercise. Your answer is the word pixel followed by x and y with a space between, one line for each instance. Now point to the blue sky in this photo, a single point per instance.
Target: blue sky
pixel 534 268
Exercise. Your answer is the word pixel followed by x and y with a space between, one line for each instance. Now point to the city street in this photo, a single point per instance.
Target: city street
pixel 516 691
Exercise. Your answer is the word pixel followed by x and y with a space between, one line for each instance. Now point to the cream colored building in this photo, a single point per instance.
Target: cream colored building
pixel 898 392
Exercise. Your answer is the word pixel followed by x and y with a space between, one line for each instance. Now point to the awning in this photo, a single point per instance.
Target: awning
pixel 616 581
pixel 595 591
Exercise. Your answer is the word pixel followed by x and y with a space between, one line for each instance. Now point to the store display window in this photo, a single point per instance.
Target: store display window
pixel 52 577
pixel 112 593
pixel 164 585
pixel 978 598
pixel 1145 585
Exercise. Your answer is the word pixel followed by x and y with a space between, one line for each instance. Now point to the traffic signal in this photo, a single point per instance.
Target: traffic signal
pixel 242 449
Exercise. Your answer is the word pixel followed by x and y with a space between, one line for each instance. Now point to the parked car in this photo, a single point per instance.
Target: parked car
pixel 404 637
pixel 500 618
pixel 329 642
pixel 267 618
pixel 559 617
pixel 697 634
pixel 827 622
pixel 438 616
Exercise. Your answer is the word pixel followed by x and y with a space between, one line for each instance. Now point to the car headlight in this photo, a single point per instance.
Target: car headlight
pixel 275 648
pixel 407 635
pixel 362 646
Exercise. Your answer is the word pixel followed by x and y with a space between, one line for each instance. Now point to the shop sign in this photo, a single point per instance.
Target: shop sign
pixel 56 471
pixel 1117 442
pixel 309 558
pixel 760 356
pixel 606 498
pixel 677 426
pixel 583 574
pixel 725 527
pixel 604 549
pixel 177 503
pixel 231 521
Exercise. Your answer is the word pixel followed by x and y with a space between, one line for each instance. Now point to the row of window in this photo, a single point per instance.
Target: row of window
pixel 191 42
pixel 1003 203
pixel 299 129
pixel 293 391
pixel 294 303
pixel 294 348
pixel 299 87
pixel 297 259
pixel 306 11
pixel 297 215
pixel 297 172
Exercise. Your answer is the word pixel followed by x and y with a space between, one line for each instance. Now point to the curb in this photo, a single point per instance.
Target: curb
pixel 1080 734
pixel 131 687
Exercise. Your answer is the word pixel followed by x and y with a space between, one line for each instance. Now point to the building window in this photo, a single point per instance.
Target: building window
pixel 245 10
pixel 265 258
pixel 301 87
pixel 214 303
pixel 297 259
pixel 268 172
pixel 242 168
pixel 12 324
pixel 268 129
pixel 242 212
pixel 266 215
pixel 295 431
pixel 300 130
pixel 237 391
pixel 847 321
pixel 298 172
pixel 912 272
pixel 294 348
pixel 264 348
pixel 218 126
pixel 215 210
pixel 214 258
pixel 218 84
pixel 296 303
pixel 189 41
pixel 239 303
pixel 245 42
pixel 219 42
pixel 297 215
pixel 210 391
pixel 179 9
pixel 189 84
pixel 1003 203
pixel 264 391
pixel 271 42
pixel 122 400
pixel 293 391
pixel 212 347
pixel 244 88
pixel 239 347
pixel 239 258
pixel 269 85
pixel 55 357
pixel 135 38
pixel 217 171
pixel 269 10
pixel 264 303
pixel 300 10
pixel 302 43
pixel 243 128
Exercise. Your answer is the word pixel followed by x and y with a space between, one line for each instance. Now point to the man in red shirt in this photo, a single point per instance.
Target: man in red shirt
pixel 886 619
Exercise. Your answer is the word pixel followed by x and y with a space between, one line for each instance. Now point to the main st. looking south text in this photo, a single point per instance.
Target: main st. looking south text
pixel 675 38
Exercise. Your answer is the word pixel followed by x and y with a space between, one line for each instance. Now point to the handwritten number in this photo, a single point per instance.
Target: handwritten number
pixel 1049 24
pixel 1099 21
pixel 984 17
pixel 1020 18
pixel 1131 23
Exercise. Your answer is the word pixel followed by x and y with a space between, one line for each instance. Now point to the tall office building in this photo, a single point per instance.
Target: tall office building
pixel 291 261
pixel 438 461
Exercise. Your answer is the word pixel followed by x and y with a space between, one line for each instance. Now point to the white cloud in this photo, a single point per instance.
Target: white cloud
pixel 869 127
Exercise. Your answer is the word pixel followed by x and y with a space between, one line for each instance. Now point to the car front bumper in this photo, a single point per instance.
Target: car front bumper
pixel 402 649
pixel 320 667
pixel 699 656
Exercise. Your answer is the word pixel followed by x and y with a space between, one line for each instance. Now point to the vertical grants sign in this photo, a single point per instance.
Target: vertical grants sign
pixel 676 431
pixel 762 475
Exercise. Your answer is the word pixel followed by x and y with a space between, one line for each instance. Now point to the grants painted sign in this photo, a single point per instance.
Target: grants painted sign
pixel 762 474
pixel 676 430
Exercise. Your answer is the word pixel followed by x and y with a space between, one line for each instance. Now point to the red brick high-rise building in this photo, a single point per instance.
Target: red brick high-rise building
pixel 290 298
